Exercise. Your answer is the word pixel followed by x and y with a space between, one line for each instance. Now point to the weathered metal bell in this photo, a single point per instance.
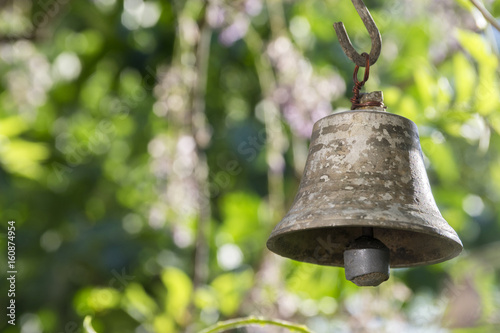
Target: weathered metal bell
pixel 365 200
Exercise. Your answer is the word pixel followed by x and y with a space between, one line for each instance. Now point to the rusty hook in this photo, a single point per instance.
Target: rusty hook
pixel 370 25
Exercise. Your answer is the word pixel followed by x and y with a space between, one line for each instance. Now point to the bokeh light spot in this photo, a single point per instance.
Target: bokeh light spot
pixel 67 67
pixel 50 241
pixel 473 205
pixel 229 256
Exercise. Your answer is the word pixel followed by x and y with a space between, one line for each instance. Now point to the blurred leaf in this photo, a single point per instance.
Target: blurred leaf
pixel 316 12
pixel 480 329
pixel 488 99
pixel 444 93
pixel 48 319
pixel 455 217
pixel 408 108
pixel 205 298
pixel 477 47
pixel 163 323
pixel 87 42
pixel 442 160
pixel 95 90
pixel 426 86
pixel 308 280
pixel 23 158
pixel 240 213
pixel 392 95
pixel 465 79
pixel 485 281
pixel 12 126
pixel 138 303
pixel 179 292
pixel 91 300
pixel 466 4
pixel 130 84
pixel 495 8
pixel 230 289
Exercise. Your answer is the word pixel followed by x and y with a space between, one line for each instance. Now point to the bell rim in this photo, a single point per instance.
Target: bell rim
pixel 451 237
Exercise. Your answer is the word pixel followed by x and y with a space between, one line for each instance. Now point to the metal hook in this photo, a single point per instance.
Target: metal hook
pixel 370 25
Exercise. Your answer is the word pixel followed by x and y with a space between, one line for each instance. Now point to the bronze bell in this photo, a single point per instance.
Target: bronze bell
pixel 364 202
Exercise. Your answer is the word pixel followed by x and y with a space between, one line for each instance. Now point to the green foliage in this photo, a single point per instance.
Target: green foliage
pixel 230 289
pixel 93 300
pixel 138 303
pixel 465 79
pixel 241 221
pixel 179 291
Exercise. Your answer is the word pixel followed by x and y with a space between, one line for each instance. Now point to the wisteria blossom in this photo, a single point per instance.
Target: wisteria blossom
pixel 303 95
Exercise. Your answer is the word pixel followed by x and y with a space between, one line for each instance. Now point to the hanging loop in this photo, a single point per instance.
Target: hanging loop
pixel 359 84
pixel 370 25
pixel 367 70
pixel 355 100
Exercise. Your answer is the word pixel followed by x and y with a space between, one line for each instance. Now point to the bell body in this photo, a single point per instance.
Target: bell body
pixel 365 169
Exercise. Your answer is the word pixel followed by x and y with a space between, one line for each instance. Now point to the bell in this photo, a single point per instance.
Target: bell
pixel 364 202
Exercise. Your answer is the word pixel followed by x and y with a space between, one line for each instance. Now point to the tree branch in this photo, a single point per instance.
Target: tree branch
pixel 487 15
pixel 201 259
pixel 87 325
pixel 241 322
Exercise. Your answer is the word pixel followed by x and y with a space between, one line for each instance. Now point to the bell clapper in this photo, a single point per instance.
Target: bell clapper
pixel 366 260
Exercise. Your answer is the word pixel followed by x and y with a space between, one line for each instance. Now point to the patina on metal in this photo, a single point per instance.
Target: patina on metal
pixel 365 169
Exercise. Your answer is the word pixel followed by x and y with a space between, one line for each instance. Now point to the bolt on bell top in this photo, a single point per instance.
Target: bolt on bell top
pixel 365 177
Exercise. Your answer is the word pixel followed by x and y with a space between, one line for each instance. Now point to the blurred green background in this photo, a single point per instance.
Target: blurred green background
pixel 148 148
